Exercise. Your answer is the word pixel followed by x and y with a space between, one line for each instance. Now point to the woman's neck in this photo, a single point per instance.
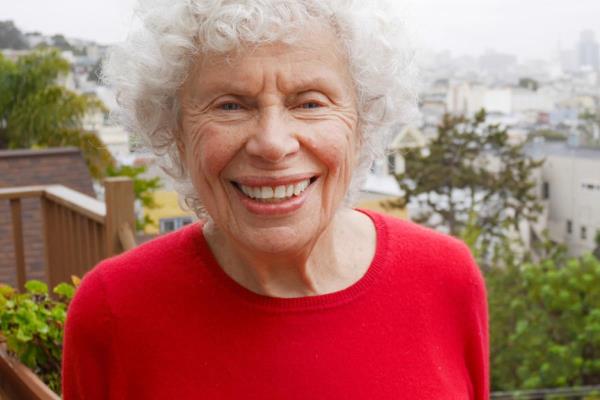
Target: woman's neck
pixel 336 259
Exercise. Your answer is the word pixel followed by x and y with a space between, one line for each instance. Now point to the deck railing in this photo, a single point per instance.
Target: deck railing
pixel 78 230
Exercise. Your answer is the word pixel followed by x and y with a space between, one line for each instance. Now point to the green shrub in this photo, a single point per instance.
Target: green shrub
pixel 32 323
pixel 545 323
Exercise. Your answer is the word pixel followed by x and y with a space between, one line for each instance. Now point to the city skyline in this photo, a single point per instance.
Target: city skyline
pixel 535 29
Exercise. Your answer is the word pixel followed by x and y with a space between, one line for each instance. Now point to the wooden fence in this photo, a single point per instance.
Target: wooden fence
pixel 78 230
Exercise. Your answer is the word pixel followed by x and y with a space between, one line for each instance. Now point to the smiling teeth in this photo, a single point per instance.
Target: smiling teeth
pixel 275 192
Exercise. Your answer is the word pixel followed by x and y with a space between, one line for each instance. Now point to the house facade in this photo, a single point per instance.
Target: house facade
pixel 569 186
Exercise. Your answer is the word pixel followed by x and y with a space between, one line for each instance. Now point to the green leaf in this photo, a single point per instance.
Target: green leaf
pixel 58 313
pixel 43 329
pixel 36 287
pixel 65 290
pixel 6 291
pixel 522 326
pixel 23 335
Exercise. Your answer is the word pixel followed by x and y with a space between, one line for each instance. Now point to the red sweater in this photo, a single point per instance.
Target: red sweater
pixel 165 322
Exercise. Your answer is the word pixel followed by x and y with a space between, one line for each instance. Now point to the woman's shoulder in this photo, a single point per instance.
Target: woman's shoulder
pixel 409 234
pixel 425 253
pixel 146 266
pixel 163 250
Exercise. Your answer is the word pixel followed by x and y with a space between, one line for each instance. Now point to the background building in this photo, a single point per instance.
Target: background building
pixel 570 189
pixel 588 50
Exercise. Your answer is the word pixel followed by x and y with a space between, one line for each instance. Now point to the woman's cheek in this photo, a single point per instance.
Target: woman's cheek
pixel 333 146
pixel 213 151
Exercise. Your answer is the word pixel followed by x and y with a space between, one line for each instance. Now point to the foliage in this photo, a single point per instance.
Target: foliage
pixel 95 72
pixel 549 135
pixel 142 187
pixel 61 43
pixel 470 170
pixel 32 325
pixel 11 37
pixel 528 83
pixel 597 249
pixel 37 112
pixel 589 129
pixel 544 320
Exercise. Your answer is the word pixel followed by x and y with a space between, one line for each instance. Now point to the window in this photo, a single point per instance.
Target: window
pixel 546 191
pixel 167 225
pixel 171 224
pixel 392 164
pixel 583 232
pixel 569 226
pixel 591 186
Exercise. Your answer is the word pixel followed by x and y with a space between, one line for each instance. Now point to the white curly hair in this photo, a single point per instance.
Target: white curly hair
pixel 147 69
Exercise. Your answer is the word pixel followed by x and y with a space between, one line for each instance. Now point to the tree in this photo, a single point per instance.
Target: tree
pixel 528 83
pixel 94 74
pixel 544 315
pixel 470 171
pixel 11 37
pixel 597 249
pixel 544 322
pixel 548 135
pixel 589 129
pixel 142 187
pixel 61 43
pixel 36 112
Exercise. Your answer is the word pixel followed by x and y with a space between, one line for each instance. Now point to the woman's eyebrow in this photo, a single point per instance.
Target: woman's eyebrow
pixel 222 87
pixel 318 83
pixel 217 87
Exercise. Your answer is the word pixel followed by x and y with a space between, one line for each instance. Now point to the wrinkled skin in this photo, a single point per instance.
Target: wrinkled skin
pixel 278 111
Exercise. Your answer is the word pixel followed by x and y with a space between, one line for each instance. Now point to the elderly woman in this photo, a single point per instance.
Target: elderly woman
pixel 269 113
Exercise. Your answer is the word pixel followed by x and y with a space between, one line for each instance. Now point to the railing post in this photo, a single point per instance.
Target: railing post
pixel 17 224
pixel 119 197
pixel 50 239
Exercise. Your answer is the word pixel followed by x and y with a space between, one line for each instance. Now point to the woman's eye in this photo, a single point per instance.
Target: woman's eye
pixel 230 106
pixel 310 104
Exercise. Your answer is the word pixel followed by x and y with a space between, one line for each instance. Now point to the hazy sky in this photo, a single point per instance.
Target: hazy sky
pixel 527 28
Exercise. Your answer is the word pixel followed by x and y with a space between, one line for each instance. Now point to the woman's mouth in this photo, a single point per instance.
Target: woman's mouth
pixel 272 195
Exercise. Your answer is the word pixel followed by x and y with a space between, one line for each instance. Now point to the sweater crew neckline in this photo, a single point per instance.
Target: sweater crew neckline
pixel 305 303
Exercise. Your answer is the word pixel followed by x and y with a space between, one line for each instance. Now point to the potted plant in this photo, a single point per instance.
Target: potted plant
pixel 31 336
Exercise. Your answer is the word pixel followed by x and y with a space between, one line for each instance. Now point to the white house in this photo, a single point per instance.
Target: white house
pixel 381 184
pixel 570 189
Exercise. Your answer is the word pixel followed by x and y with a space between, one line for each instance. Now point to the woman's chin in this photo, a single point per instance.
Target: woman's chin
pixel 276 240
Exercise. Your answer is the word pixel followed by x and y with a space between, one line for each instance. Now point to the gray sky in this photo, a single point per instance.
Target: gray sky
pixel 527 28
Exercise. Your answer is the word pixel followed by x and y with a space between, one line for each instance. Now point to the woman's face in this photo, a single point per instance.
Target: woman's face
pixel 270 140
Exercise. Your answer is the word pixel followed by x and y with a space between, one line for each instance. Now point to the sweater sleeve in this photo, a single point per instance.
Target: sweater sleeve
pixel 85 364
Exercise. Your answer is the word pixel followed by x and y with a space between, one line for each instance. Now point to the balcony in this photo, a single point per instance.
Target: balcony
pixel 77 230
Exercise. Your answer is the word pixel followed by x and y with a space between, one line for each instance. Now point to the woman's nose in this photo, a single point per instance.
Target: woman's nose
pixel 274 138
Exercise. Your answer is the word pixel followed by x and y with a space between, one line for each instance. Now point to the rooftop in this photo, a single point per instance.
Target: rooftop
pixel 561 149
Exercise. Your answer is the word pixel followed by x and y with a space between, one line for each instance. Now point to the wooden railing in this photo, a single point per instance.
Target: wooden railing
pixel 78 230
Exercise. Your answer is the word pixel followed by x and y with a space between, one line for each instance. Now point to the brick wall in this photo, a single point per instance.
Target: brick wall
pixel 62 166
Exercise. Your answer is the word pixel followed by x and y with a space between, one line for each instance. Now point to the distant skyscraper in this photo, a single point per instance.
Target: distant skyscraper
pixel 588 50
pixel 498 64
pixel 568 60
